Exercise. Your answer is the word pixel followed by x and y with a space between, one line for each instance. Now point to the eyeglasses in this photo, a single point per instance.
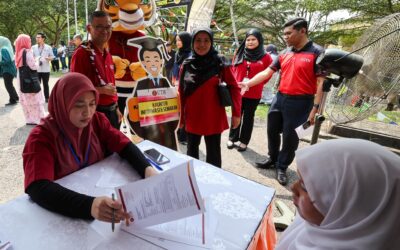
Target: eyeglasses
pixel 102 28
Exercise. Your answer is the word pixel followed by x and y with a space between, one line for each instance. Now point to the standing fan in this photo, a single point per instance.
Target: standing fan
pixel 379 78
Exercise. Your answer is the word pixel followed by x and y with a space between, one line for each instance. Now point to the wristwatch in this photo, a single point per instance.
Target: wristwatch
pixel 316 105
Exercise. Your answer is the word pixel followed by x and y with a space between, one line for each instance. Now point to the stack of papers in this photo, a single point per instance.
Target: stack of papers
pixel 168 209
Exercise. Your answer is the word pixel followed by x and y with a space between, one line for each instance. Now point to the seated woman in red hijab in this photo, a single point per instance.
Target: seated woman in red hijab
pixel 70 138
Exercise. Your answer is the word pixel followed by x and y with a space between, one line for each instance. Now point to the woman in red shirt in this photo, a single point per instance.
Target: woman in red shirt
pixel 249 60
pixel 201 112
pixel 70 138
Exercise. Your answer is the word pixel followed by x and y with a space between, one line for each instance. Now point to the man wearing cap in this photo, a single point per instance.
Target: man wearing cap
pixel 152 55
pixel 298 97
pixel 93 60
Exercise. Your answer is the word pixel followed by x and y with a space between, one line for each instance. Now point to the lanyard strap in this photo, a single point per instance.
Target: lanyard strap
pixel 87 46
pixel 78 162
pixel 247 69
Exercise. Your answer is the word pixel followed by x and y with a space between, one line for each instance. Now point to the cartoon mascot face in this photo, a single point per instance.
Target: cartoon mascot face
pixel 129 15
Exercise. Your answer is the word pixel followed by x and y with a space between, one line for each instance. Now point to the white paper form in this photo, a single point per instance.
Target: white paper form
pixel 169 196
pixel 301 132
pixel 197 230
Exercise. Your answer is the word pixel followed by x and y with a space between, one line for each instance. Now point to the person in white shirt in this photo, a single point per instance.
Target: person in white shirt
pixel 43 54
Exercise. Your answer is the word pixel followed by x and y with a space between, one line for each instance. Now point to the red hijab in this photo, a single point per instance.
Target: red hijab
pixel 22 42
pixel 73 144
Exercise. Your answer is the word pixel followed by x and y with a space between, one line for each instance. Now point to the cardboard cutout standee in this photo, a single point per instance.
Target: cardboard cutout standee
pixel 129 17
pixel 153 107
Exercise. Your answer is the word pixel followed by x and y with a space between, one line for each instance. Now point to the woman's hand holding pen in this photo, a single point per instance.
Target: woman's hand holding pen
pixel 149 171
pixel 102 209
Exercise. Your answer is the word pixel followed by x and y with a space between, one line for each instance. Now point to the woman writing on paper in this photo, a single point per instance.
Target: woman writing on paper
pixel 70 138
pixel 201 111
pixel 347 197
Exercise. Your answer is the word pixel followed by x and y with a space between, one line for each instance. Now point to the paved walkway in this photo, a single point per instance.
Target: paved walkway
pixel 14 133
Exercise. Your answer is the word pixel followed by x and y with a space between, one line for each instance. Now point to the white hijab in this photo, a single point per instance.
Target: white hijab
pixel 355 184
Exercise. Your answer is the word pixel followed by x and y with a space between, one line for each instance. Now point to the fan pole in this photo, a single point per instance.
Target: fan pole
pixel 326 87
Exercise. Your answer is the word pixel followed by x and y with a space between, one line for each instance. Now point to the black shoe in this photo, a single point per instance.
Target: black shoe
pixel 266 164
pixel 183 142
pixel 11 103
pixel 281 176
pixel 242 148
pixel 47 100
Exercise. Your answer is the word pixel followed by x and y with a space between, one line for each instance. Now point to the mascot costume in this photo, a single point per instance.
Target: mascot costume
pixel 129 17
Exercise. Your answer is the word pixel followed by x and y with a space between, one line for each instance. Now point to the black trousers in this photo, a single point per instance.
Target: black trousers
pixel 284 116
pixel 44 76
pixel 111 113
pixel 243 132
pixel 55 65
pixel 213 147
pixel 8 82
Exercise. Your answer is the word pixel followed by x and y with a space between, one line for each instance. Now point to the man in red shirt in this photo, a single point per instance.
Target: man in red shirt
pixel 298 98
pixel 93 60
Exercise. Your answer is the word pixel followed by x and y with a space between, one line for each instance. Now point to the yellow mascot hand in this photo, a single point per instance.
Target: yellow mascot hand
pixel 137 71
pixel 120 66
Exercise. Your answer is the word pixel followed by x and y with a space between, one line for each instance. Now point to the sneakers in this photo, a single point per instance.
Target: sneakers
pixel 230 145
pixel 265 164
pixel 281 176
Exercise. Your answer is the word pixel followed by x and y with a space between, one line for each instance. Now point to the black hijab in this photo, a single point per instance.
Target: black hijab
pixel 198 69
pixel 251 55
pixel 183 52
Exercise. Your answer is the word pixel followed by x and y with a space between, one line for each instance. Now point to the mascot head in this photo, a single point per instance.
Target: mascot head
pixel 129 15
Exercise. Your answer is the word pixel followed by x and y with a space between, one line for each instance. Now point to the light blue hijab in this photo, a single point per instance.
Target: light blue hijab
pixel 5 43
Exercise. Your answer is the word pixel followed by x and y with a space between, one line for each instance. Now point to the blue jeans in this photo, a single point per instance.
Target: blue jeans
pixel 285 115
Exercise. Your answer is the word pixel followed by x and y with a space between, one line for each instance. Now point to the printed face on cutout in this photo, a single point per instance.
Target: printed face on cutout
pixel 83 110
pixel 152 62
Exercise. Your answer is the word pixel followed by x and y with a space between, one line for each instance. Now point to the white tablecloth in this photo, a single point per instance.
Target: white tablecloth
pixel 239 204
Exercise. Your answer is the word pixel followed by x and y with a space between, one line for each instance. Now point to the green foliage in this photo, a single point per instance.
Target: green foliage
pixel 32 16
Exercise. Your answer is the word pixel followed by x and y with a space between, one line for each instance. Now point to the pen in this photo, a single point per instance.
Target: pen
pixel 154 164
pixel 113 214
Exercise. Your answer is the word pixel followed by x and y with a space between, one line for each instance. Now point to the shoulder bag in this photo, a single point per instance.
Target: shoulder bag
pixel 225 98
pixel 28 78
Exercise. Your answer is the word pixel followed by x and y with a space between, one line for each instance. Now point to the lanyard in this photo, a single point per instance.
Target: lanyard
pixel 247 69
pixel 80 164
pixel 92 58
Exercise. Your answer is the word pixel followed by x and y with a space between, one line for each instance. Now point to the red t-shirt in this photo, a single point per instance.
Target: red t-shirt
pixel 80 62
pixel 40 149
pixel 250 69
pixel 202 112
pixel 299 71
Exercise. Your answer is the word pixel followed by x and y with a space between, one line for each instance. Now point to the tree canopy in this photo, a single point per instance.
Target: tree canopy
pixel 31 16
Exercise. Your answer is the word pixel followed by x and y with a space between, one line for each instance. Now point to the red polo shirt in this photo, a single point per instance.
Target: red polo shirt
pixel 250 69
pixel 299 71
pixel 103 61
